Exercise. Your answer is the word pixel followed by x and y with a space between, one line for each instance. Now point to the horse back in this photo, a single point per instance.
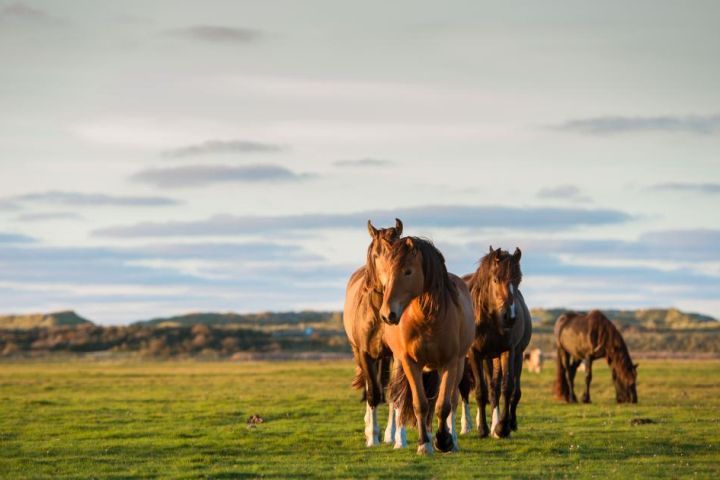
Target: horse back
pixel 581 335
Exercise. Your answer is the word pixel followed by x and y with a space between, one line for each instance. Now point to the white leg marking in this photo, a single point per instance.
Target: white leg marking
pixel 390 428
pixel 465 422
pixel 495 421
pixel 477 419
pixel 400 434
pixel 453 432
pixel 372 429
pixel 425 449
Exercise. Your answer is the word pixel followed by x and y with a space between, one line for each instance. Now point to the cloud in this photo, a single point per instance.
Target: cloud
pixel 444 216
pixel 79 199
pixel 564 192
pixel 364 162
pixel 708 188
pixel 13 238
pixel 610 125
pixel 126 284
pixel 22 11
pixel 211 147
pixel 218 34
pixel 43 217
pixel 198 175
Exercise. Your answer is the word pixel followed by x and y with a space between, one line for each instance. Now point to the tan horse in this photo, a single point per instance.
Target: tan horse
pixel 363 327
pixel 429 328
pixel 534 360
pixel 503 328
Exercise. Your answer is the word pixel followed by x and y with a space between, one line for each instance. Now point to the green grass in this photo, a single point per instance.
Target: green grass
pixel 187 420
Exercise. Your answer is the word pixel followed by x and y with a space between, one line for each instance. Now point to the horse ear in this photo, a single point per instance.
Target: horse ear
pixel 398 227
pixel 409 242
pixel 636 365
pixel 517 254
pixel 372 230
pixel 491 250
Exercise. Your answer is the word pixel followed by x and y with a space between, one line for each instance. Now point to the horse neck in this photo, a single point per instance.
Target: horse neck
pixel 618 355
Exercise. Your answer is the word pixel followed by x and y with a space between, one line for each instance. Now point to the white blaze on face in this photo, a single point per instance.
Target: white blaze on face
pixel 512 305
pixel 372 429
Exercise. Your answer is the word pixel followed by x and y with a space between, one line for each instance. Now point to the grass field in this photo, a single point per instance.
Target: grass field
pixel 188 420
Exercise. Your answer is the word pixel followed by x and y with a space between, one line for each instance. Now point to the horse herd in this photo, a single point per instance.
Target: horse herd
pixel 424 339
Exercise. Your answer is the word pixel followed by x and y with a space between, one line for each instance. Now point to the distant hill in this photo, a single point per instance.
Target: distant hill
pixel 649 319
pixel 260 320
pixel 35 320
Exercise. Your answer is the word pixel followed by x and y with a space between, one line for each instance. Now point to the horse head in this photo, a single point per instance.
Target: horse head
pixel 504 276
pixel 625 380
pixel 382 241
pixel 401 274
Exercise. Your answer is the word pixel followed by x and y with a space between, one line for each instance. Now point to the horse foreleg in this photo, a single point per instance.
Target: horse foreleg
pixel 517 393
pixel 373 395
pixel 495 393
pixel 588 379
pixel 399 437
pixel 507 361
pixel 443 409
pixel 413 372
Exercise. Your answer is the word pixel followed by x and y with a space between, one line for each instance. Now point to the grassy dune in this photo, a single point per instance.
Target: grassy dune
pixel 187 420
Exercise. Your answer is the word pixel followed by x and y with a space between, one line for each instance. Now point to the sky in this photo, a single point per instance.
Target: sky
pixel 166 157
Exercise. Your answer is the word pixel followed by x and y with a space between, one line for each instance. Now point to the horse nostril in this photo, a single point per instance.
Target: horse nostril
pixel 392 317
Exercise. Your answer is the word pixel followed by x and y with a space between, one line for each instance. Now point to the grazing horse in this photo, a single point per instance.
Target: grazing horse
pixel 584 338
pixel 363 327
pixel 503 328
pixel 429 328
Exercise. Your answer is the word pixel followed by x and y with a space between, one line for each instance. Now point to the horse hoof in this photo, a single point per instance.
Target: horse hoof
pixel 465 430
pixel 513 426
pixel 425 449
pixel 500 432
pixel 484 432
pixel 586 399
pixel 443 441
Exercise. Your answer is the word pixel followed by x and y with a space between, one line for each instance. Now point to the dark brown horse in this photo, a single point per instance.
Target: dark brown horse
pixel 363 327
pixel 503 328
pixel 429 319
pixel 584 338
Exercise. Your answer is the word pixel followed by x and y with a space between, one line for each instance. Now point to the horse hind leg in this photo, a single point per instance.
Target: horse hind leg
pixel 464 389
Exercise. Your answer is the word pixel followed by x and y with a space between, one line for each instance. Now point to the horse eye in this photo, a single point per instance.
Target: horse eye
pixel 408 272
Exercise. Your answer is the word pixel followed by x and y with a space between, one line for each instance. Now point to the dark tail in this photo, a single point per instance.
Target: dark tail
pixel 359 382
pixel 560 388
pixel 467 382
pixel 385 370
pixel 401 395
